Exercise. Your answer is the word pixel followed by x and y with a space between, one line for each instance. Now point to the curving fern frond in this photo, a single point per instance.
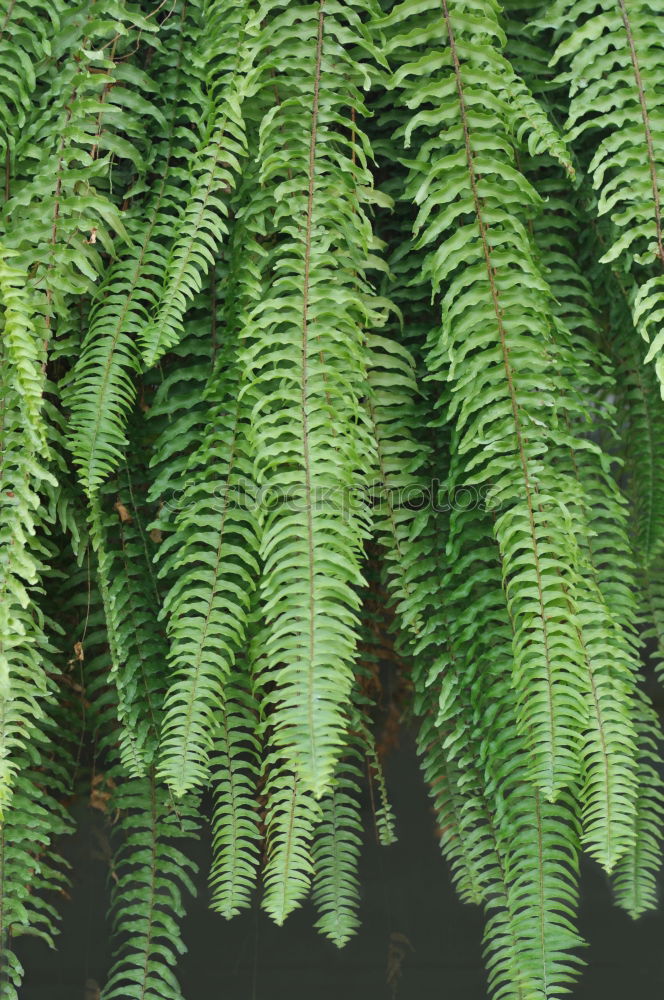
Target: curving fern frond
pixel 533 130
pixel 57 215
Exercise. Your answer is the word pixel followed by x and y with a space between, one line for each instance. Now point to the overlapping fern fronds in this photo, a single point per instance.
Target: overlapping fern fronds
pixel 322 322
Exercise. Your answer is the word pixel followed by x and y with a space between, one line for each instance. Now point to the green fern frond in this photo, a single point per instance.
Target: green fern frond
pixel 303 348
pixel 493 349
pixel 102 385
pixel 383 812
pixel 235 769
pixel 640 425
pixel 24 336
pixel 56 215
pixel 214 551
pixel 25 44
pixel 541 865
pixel 138 645
pixel 641 418
pixel 532 128
pixel 635 877
pixel 117 629
pixel 177 411
pixel 606 610
pixel 493 824
pixel 30 867
pixel 231 27
pixel 291 817
pixel 103 381
pixel 210 556
pixel 336 851
pixel 448 800
pixel 615 103
pixel 151 872
pixel 400 456
pixel 24 647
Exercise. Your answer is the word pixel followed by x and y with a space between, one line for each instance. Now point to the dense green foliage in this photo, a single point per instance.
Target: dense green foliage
pixel 316 316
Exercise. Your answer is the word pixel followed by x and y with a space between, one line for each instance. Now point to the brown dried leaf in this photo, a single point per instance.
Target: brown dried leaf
pixel 124 514
pixel 101 791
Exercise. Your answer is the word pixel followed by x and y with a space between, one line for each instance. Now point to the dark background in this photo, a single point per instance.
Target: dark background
pixel 405 889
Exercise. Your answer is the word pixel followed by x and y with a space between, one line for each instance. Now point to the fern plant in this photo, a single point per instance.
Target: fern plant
pixel 326 343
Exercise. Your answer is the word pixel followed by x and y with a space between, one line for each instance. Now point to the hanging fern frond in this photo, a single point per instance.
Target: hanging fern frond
pixel 30 867
pixel 509 850
pixel 383 812
pixel 228 47
pixel 303 349
pixel 152 873
pixel 336 850
pixel 399 490
pixel 212 556
pixel 236 821
pixel 613 51
pixel 211 553
pixel 607 613
pixel 138 645
pixel 103 383
pixel 24 336
pixel 24 647
pixel 495 348
pixel 442 778
pixel 291 817
pixel 176 414
pixel 635 878
pixel 640 425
